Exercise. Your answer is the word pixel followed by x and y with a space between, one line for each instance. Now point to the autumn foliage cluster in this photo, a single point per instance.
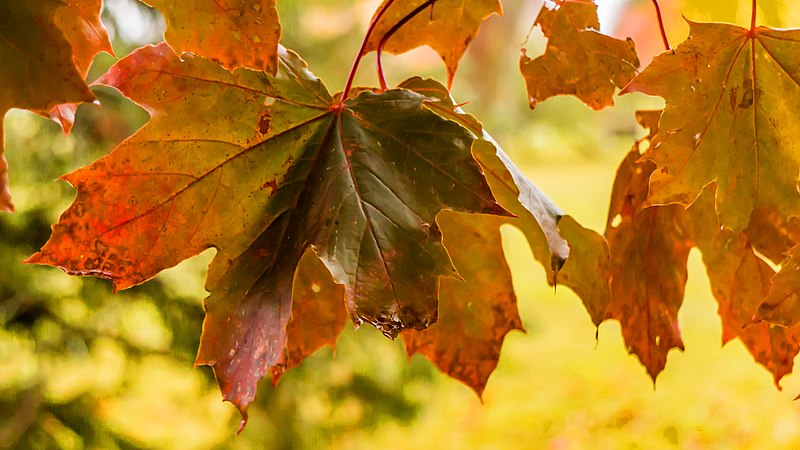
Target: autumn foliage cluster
pixel 372 203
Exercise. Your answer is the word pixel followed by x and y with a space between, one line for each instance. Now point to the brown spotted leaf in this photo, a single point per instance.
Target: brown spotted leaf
pixel 740 280
pixel 263 168
pixel 448 27
pixel 729 119
pixel 264 321
pixel 233 33
pixel 37 65
pixel 649 248
pixel 578 60
pixel 475 313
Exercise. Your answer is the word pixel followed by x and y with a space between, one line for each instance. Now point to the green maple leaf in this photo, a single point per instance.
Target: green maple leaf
pixel 263 168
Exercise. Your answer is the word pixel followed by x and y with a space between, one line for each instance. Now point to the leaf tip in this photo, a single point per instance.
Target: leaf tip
pixel 276 373
pixel 653 373
pixel 556 264
pixel 35 258
pixel 479 392
pixel 476 385
pixel 242 423
pixel 776 378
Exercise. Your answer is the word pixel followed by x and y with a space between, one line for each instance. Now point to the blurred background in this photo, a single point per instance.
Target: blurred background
pixel 81 368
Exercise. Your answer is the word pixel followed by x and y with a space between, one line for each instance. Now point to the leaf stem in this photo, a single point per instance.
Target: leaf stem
pixel 372 24
pixel 391 32
pixel 753 18
pixel 661 25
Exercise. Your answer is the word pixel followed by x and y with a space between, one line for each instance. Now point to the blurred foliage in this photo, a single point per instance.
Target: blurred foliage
pixel 81 368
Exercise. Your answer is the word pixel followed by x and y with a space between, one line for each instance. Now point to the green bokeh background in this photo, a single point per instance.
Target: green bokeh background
pixel 81 368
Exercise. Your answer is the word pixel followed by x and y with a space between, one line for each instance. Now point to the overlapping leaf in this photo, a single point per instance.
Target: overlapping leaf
pixel 318 313
pixel 579 60
pixel 782 305
pixel 730 118
pixel 771 235
pixel 448 27
pixel 649 247
pixel 265 168
pixel 740 280
pixel 574 256
pixel 321 209
pixel 588 269
pixel 512 189
pixel 475 313
pixel 41 42
pixel 742 84
pixel 233 33
pixel 542 222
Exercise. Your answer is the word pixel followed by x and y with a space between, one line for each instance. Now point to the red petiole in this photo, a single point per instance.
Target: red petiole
pixel 661 25
pixel 392 31
pixel 372 24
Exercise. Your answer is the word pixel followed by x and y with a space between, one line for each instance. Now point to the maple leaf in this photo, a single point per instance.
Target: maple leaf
pixel 262 168
pixel 37 62
pixel 729 119
pixel 739 281
pixel 578 60
pixel 649 248
pixel 476 313
pixel 448 28
pixel 648 270
pixel 233 33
